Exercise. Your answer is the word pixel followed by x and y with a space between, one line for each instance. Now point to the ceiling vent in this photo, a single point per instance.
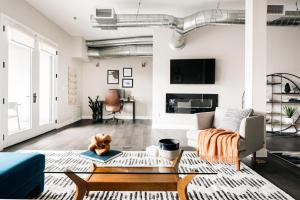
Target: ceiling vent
pixel 275 9
pixel 106 16
pixel 105 12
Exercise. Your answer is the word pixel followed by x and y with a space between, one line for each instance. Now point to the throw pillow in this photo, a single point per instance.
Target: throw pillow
pixel 233 117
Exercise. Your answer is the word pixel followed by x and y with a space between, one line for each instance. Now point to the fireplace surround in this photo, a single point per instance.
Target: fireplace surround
pixel 190 103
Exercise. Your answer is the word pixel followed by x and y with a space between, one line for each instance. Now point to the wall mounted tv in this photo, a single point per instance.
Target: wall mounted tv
pixel 192 71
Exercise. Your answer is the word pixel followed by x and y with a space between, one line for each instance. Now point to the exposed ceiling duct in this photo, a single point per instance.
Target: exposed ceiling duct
pixel 119 51
pixel 139 40
pixel 131 46
pixel 107 19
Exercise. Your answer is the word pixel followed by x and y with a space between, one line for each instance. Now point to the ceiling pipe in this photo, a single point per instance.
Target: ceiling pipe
pixel 120 51
pixel 182 26
pixel 139 40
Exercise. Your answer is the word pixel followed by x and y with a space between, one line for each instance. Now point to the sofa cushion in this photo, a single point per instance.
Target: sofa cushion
pixel 232 118
pixel 219 114
pixel 16 171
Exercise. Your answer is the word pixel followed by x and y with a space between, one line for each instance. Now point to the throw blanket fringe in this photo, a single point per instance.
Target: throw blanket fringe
pixel 218 145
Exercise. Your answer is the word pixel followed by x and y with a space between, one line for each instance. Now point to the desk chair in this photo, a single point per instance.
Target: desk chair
pixel 13 112
pixel 113 104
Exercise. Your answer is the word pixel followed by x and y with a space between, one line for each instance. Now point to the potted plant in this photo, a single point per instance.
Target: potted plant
pixel 289 111
pixel 96 109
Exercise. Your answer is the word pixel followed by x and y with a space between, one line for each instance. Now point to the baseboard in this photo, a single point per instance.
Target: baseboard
pixel 120 117
pixel 170 126
pixel 68 122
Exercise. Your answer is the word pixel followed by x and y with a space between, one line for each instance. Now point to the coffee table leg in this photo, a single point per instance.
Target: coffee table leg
pixel 182 186
pixel 80 185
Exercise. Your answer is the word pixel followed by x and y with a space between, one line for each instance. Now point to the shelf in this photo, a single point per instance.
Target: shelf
pixel 273 83
pixel 278 123
pixel 292 93
pixel 283 102
pixel 274 113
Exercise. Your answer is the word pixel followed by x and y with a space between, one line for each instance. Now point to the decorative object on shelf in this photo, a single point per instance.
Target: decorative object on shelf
pixel 127 83
pixel 289 111
pixel 72 86
pixel 112 76
pixel 287 88
pixel 294 100
pixel 100 144
pixel 127 72
pixel 96 109
pixel 169 148
pixel 296 89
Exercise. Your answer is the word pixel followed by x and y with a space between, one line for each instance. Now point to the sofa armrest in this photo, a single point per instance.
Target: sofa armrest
pixel 253 129
pixel 203 120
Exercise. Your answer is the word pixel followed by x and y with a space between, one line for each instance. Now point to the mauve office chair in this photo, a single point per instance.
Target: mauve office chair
pixel 113 104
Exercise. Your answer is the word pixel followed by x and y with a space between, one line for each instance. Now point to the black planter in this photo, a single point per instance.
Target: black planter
pixel 168 144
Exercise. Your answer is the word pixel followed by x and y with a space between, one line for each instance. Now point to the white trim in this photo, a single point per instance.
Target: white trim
pixel 120 117
pixel 2 87
pixel 171 126
pixel 36 129
pixel 68 122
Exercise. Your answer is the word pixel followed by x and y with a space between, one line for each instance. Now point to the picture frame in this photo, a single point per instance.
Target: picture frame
pixel 127 83
pixel 127 72
pixel 112 76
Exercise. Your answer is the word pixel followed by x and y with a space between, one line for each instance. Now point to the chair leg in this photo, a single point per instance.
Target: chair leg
pixel 254 159
pixel 238 166
pixel 254 156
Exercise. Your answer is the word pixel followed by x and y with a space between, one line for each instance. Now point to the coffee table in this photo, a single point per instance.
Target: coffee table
pixel 107 178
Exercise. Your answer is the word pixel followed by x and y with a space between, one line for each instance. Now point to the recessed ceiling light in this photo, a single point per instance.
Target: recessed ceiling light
pixel 74 18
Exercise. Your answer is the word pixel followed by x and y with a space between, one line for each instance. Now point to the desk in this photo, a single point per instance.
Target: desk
pixel 123 101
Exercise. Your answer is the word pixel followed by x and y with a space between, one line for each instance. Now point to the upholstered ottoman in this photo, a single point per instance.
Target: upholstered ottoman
pixel 21 174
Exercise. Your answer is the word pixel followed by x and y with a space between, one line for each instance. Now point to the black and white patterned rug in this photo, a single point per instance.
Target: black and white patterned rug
pixel 227 184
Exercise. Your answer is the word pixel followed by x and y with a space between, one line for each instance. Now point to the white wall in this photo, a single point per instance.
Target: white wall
pixel 30 17
pixel 94 83
pixel 284 50
pixel 225 44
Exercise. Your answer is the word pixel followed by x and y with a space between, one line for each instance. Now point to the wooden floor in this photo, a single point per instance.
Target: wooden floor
pixel 126 136
pixel 137 136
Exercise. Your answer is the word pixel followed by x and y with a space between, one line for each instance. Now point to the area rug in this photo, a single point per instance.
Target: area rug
pixel 226 185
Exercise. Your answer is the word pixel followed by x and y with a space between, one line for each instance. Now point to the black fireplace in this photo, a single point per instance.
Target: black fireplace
pixel 190 103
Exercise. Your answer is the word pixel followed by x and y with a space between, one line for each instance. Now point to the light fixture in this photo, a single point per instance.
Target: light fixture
pixel 75 18
pixel 98 64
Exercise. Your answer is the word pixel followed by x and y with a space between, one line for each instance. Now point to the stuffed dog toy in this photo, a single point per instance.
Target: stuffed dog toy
pixel 100 144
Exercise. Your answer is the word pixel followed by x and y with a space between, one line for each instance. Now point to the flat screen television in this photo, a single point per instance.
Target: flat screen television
pixel 192 71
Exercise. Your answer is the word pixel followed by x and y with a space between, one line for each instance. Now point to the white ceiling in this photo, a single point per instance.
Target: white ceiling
pixel 62 12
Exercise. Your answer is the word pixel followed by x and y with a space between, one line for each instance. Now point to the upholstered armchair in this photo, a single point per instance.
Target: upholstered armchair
pixel 251 130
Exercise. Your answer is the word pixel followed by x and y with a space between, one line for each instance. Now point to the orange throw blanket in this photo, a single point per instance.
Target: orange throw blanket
pixel 218 145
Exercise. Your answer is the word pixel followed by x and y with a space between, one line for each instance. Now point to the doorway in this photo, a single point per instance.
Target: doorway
pixel 29 82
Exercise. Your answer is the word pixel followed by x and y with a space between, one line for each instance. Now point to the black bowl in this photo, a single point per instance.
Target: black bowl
pixel 168 144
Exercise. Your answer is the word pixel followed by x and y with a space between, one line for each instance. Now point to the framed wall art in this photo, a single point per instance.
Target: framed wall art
pixel 127 72
pixel 112 76
pixel 127 83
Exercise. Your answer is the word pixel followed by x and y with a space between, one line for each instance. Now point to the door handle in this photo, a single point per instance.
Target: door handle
pixel 34 97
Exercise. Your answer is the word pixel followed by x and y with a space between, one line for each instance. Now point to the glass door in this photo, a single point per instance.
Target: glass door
pixel 46 89
pixel 19 88
pixel 29 82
